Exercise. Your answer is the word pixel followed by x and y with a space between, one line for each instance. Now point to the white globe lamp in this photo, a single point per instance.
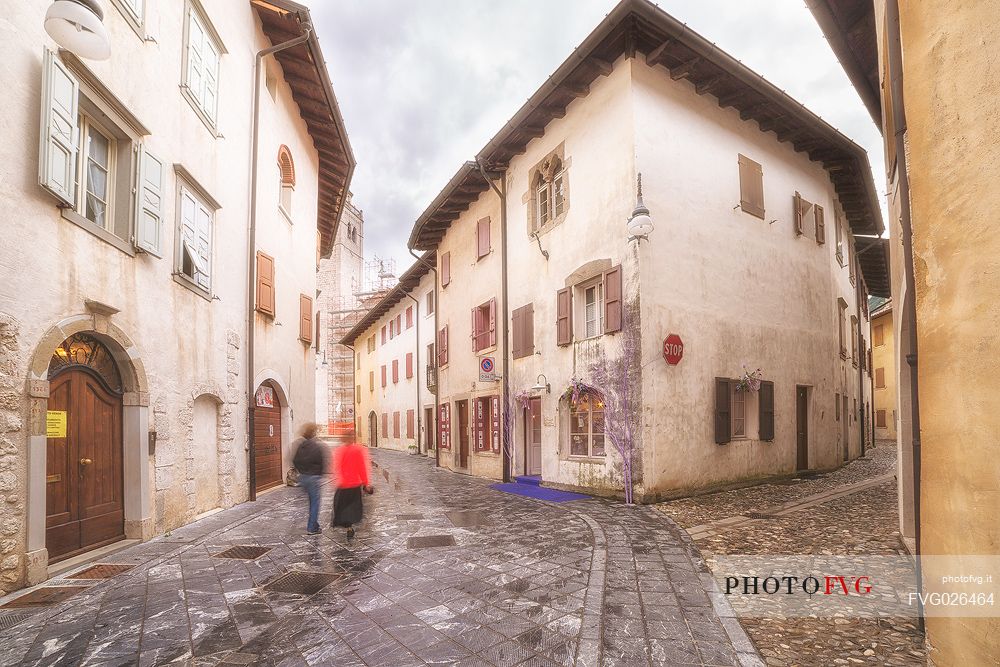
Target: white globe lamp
pixel 78 26
pixel 639 224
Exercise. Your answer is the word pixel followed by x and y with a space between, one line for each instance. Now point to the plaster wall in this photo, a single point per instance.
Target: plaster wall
pixel 395 396
pixel 189 345
pixel 596 138
pixel 740 291
pixel 473 283
pixel 950 86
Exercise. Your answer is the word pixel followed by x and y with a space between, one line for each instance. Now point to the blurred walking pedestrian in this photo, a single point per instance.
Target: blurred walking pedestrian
pixel 350 470
pixel 311 461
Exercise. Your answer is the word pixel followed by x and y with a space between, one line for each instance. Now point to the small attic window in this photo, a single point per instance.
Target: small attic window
pixel 286 170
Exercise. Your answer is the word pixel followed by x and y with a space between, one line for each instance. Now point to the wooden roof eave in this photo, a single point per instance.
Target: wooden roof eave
pixel 433 222
pixel 407 283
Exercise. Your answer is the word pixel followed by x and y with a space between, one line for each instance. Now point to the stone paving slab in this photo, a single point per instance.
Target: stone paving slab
pixel 517 582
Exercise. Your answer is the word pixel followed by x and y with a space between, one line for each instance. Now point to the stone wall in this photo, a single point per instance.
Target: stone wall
pixel 12 472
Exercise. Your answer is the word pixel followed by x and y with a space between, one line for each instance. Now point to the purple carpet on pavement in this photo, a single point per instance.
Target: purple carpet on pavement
pixel 539 492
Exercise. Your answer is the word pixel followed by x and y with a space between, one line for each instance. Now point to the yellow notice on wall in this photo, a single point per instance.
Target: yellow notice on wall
pixel 55 424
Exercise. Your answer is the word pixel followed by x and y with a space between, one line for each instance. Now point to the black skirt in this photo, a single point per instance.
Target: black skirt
pixel 347 507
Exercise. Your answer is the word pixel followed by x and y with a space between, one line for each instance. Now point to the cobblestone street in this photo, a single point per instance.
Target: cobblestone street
pixel 446 571
pixel 850 511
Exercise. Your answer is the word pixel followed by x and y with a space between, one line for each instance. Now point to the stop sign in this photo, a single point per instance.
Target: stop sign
pixel 673 349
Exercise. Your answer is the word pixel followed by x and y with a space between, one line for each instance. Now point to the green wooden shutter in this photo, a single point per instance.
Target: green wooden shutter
pixel 59 131
pixel 765 405
pixel 723 419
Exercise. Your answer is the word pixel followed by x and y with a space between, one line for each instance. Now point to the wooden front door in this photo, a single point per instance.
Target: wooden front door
pixel 429 439
pixel 85 505
pixel 463 433
pixel 533 436
pixel 802 428
pixel 267 443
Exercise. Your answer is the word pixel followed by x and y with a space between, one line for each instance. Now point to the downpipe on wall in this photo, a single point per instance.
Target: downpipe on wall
pixel 416 361
pixel 437 392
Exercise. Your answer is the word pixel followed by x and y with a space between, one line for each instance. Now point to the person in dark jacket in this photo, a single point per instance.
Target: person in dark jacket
pixel 311 461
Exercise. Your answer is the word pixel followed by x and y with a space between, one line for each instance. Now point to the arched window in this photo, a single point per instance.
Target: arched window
pixel 86 352
pixel 542 209
pixel 549 200
pixel 286 172
pixel 586 425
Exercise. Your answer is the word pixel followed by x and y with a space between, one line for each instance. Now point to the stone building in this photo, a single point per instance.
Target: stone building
pixel 392 346
pixel 883 369
pixel 139 317
pixel 339 306
pixel 760 210
pixel 927 73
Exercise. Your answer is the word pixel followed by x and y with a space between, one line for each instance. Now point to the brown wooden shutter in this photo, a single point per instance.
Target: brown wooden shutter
pixel 474 328
pixel 371 380
pixel 445 269
pixel 483 237
pixel 723 420
pixel 305 318
pixel 751 187
pixel 797 212
pixel 493 322
pixel 523 331
pixel 318 337
pixel 880 418
pixel 879 378
pixel 383 334
pixel 409 317
pixel 385 424
pixel 265 283
pixel 409 365
pixel 395 424
pixel 409 423
pixel 564 316
pixel 516 333
pixel 765 408
pixel 384 376
pixel 820 225
pixel 443 346
pixel 613 300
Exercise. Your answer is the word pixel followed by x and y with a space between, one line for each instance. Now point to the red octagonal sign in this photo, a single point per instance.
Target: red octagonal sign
pixel 673 349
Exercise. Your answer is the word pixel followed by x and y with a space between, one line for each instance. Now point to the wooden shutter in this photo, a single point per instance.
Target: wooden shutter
pixel 483 237
pixel 357 394
pixel 880 418
pixel 265 283
pixel 613 300
pixel 765 406
pixel 149 203
pixel 879 378
pixel 395 371
pixel 751 187
pixel 523 331
pixel 445 269
pixel 383 334
pixel 305 318
pixel 820 225
pixel 384 375
pixel 516 325
pixel 395 424
pixel 474 328
pixel 493 322
pixel 371 380
pixel 385 424
pixel 58 142
pixel 409 365
pixel 797 213
pixel 409 317
pixel 723 419
pixel 443 346
pixel 399 324
pixel 409 423
pixel 564 316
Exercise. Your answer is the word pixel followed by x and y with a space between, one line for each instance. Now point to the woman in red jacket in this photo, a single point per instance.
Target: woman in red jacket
pixel 350 471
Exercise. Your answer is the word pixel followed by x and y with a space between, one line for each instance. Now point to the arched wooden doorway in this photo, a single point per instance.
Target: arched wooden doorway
pixel 372 430
pixel 267 436
pixel 85 506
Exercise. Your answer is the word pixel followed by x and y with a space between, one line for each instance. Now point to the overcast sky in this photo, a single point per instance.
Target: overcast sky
pixel 424 85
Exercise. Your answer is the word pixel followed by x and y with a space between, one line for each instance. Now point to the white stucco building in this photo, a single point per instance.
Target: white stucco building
pixel 141 323
pixel 756 204
pixel 394 401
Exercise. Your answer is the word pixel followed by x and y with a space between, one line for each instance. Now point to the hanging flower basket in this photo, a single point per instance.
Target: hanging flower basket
pixel 749 381
pixel 576 390
pixel 523 399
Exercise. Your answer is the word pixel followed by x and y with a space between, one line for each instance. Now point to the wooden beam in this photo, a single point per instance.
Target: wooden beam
pixel 792 134
pixel 683 70
pixel 601 65
pixel 708 84
pixel 576 90
pixel 533 132
pixel 656 55
pixel 749 112
pixel 554 111
pixel 808 144
pixel 732 98
pixel 768 124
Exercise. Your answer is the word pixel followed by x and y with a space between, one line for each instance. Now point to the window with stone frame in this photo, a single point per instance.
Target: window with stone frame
pixel 586 426
pixel 548 197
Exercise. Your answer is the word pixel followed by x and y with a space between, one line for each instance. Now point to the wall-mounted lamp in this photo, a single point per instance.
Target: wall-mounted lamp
pixel 78 26
pixel 639 224
pixel 542 383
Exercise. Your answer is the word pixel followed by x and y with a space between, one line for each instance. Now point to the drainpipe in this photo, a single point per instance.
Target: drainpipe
pixel 354 362
pixel 437 393
pixel 908 307
pixel 505 367
pixel 859 293
pixel 416 361
pixel 252 243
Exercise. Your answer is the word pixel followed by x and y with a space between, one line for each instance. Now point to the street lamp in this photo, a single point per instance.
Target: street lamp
pixel 639 224
pixel 78 26
pixel 542 383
